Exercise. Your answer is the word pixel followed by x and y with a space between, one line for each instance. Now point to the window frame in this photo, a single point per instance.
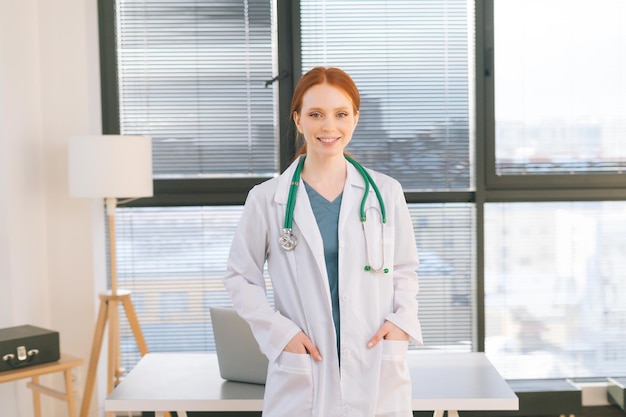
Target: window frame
pixel 198 191
pixel 226 191
pixel 488 187
pixel 233 191
pixel 530 188
pixel 551 187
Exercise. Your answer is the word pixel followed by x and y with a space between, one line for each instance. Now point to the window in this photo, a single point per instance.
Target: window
pixel 192 76
pixel 555 302
pixel 173 259
pixel 410 61
pixel 560 96
pixel 196 77
pixel 444 234
pixel 555 188
pixel 560 100
pixel 508 144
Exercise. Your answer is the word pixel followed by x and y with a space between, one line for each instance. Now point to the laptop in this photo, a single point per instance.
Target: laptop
pixel 238 354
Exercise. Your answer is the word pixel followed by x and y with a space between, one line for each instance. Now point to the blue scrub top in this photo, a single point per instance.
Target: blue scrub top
pixel 327 217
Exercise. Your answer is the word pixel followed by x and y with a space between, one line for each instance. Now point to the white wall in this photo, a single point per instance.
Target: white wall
pixel 51 258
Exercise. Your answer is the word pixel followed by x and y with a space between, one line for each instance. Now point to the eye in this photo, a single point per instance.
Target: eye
pixel 342 114
pixel 315 114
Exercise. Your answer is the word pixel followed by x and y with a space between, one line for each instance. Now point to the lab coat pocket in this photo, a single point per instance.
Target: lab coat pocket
pixel 289 386
pixel 394 397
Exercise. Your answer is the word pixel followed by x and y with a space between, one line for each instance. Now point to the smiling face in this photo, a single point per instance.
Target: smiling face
pixel 326 119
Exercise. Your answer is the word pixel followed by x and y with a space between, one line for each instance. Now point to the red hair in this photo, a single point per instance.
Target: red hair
pixel 322 75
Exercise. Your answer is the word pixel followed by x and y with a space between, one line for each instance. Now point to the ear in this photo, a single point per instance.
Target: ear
pixel 356 118
pixel 296 120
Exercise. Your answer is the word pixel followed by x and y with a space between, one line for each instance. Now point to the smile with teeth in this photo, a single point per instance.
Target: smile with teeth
pixel 327 139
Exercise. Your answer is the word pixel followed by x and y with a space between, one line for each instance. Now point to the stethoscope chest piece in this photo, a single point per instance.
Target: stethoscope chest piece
pixel 287 240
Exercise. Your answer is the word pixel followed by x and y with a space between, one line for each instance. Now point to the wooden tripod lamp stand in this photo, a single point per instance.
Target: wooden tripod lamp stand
pixel 109 167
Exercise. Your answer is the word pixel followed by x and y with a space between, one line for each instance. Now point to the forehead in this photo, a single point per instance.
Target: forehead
pixel 326 95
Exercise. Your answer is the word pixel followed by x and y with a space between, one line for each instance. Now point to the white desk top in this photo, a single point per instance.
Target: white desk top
pixel 191 382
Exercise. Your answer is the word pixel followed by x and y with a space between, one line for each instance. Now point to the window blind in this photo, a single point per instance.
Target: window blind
pixel 444 236
pixel 410 62
pixel 173 259
pixel 192 76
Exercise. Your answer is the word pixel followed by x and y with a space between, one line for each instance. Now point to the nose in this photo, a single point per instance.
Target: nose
pixel 328 124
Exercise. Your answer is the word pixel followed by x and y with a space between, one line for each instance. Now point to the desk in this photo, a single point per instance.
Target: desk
pixel 65 365
pixel 191 382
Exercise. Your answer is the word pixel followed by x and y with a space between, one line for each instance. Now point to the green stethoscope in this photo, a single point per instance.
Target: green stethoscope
pixel 287 239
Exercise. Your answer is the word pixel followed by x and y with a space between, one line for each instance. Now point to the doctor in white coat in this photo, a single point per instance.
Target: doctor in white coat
pixel 345 303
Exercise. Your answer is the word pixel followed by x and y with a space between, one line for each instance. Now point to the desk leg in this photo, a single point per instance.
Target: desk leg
pixel 36 397
pixel 181 413
pixel 451 413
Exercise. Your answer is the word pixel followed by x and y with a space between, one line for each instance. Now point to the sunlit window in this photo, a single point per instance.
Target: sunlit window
pixel 555 288
pixel 560 86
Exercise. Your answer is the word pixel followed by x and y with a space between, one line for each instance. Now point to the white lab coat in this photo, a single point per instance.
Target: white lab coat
pixel 370 381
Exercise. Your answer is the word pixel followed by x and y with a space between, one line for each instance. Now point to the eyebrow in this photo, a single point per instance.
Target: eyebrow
pixel 335 109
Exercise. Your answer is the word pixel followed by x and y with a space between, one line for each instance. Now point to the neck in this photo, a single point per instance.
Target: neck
pixel 327 176
pixel 324 169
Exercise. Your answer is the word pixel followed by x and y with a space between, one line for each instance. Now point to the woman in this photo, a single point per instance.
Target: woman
pixel 345 289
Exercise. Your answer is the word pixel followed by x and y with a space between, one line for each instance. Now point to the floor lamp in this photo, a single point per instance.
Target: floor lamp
pixel 110 167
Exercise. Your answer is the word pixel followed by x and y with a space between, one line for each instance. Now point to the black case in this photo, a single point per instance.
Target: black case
pixel 27 345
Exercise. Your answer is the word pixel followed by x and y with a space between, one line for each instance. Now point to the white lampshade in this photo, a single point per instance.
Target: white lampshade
pixel 110 166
